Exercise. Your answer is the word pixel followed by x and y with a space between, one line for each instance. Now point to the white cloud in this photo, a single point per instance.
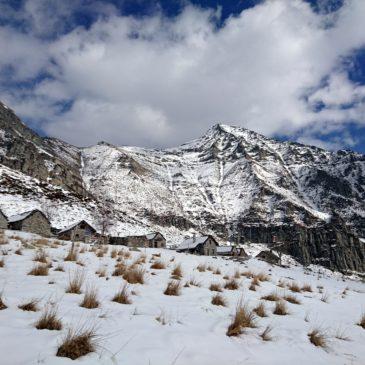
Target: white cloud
pixel 158 82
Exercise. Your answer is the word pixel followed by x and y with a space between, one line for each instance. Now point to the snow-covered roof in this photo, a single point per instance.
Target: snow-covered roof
pixel 22 216
pixel 224 249
pixel 192 242
pixel 73 226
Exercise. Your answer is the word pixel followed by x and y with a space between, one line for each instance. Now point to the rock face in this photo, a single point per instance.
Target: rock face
pixel 232 183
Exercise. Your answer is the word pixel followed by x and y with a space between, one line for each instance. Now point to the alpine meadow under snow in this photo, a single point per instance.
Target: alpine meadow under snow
pixel 276 315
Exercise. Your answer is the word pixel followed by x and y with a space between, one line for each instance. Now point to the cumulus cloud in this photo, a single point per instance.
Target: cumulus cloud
pixel 159 81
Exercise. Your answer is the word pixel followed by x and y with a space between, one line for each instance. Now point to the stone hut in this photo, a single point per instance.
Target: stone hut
pixel 33 221
pixel 152 240
pixel 231 251
pixel 3 221
pixel 80 231
pixel 205 245
pixel 268 256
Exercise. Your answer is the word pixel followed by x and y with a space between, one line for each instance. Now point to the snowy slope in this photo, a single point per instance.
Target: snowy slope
pixel 181 330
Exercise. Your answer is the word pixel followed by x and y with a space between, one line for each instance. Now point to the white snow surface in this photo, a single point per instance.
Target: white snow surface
pixel 194 332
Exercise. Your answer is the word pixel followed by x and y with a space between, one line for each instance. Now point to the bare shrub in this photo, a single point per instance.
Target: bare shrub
pixel 134 275
pixel 77 343
pixel 39 270
pixel 158 265
pixel 75 282
pixel 201 267
pixel 361 323
pixel 231 284
pixel 29 306
pixel 317 338
pixel 292 299
pixel 272 297
pixel 260 310
pixel 294 287
pixel 41 256
pixel 177 272
pixel 218 299
pixel 215 287
pixel 90 300
pixel 307 288
pixel 49 320
pixel 122 296
pixel 280 308
pixel 243 318
pixel 173 288
pixel 266 334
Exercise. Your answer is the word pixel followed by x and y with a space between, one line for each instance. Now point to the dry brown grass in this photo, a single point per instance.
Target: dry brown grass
pixel 361 323
pixel 173 288
pixel 215 287
pixel 101 272
pixel 60 268
pixel 30 306
pixel 134 275
pixel 120 269
pixel 90 300
pixel 75 282
pixel 237 274
pixel 113 253
pixel 82 249
pixel 272 297
pixel 77 343
pixel 72 254
pixel 248 274
pixel 2 304
pixel 294 287
pixel 158 265
pixel 2 262
pixel 201 267
pixel 49 320
pixel 193 282
pixel 243 318
pixel 99 253
pixel 218 299
pixel 231 284
pixel 41 242
pixel 122 296
pixel 39 270
pixel 261 277
pixel 292 299
pixel 317 338
pixel 3 239
pixel 281 284
pixel 177 272
pixel 18 251
pixel 260 310
pixel 41 256
pixel 280 308
pixel 217 272
pixel 307 288
pixel 266 334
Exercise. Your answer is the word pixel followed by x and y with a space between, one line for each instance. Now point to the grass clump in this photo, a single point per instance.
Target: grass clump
pixel 2 262
pixel 158 265
pixel 60 268
pixel 134 275
pixel 243 318
pixel 294 287
pixel 292 299
pixel 75 282
pixel 260 310
pixel 317 338
pixel 231 284
pixel 41 256
pixel 122 296
pixel 215 287
pixel 39 270
pixel 361 323
pixel 120 269
pixel 219 300
pixel 90 300
pixel 272 297
pixel 201 267
pixel 177 272
pixel 29 306
pixel 281 308
pixel 2 304
pixel 72 254
pixel 307 288
pixel 173 288
pixel 266 334
pixel 49 320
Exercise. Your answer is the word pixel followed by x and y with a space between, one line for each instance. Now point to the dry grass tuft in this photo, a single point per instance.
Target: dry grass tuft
pixel 215 287
pixel 260 310
pixel 294 287
pixel 18 251
pixel 217 272
pixel 83 249
pixel 158 265
pixel 113 253
pixel 75 282
pixel 248 274
pixel 173 288
pixel 361 323
pixel 261 277
pixel 41 242
pixel 90 300
pixel 218 299
pixel 2 262
pixel 266 334
pixel 39 270
pixel 72 254
pixel 272 297
pixel 4 239
pixel 41 256
pixel 177 272
pixel 317 338
pixel 49 320
pixel 30 306
pixel 59 268
pixel 100 253
pixel 77 343
pixel 2 304
pixel 134 275
pixel 307 288
pixel 292 299
pixel 101 272
pixel 201 267
pixel 120 269
pixel 237 274
pixel 231 284
pixel 243 318
pixel 281 308
pixel 281 284
pixel 193 282
pixel 122 296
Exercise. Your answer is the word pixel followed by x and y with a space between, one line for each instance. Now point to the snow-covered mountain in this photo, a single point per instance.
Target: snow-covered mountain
pixel 233 183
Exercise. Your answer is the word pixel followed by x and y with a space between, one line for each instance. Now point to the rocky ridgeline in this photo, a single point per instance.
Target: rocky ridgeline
pixel 232 183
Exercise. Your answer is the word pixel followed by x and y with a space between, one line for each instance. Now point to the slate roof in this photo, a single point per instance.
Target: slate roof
pixel 22 216
pixel 192 242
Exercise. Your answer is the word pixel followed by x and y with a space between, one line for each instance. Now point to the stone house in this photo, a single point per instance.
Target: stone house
pixel 33 221
pixel 205 245
pixel 3 221
pixel 268 256
pixel 231 251
pixel 152 240
pixel 79 231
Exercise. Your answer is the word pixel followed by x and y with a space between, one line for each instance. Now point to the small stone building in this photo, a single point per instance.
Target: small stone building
pixel 205 245
pixel 268 256
pixel 3 221
pixel 81 231
pixel 231 251
pixel 152 240
pixel 33 221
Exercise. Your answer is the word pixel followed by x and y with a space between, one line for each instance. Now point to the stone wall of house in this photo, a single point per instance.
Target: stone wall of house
pixel 159 241
pixel 3 221
pixel 36 223
pixel 77 234
pixel 209 248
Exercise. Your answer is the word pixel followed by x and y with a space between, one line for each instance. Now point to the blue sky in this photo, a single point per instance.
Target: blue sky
pixel 159 73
